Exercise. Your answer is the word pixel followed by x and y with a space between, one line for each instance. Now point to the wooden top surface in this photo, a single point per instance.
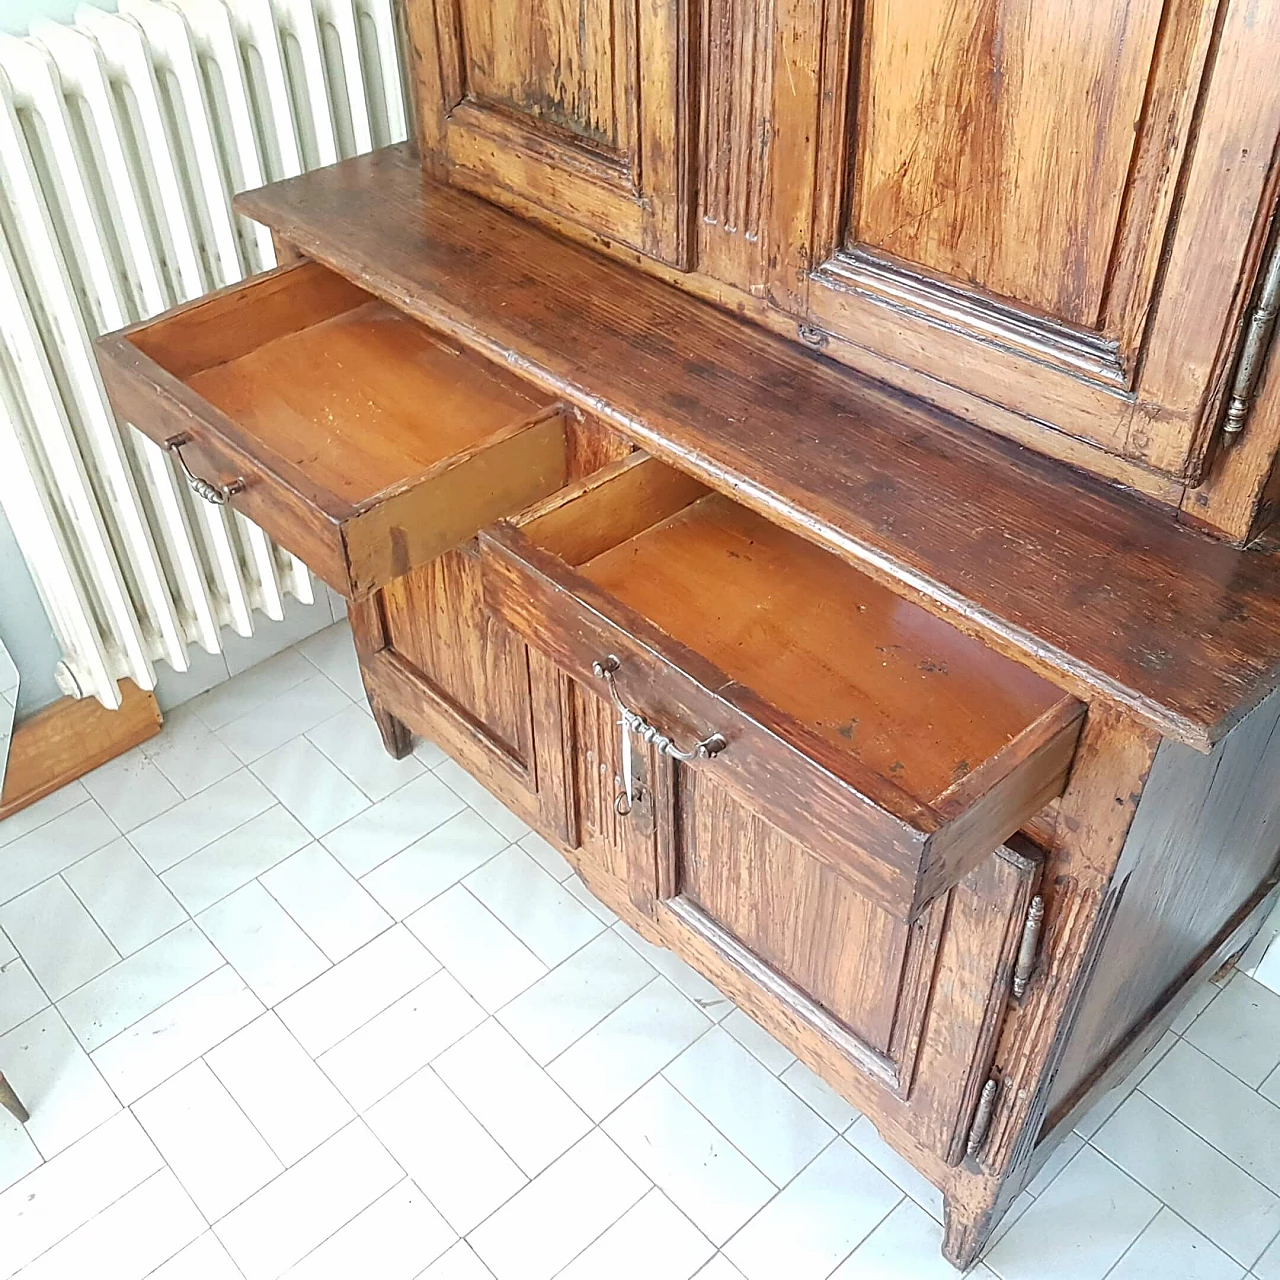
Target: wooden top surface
pixel 1100 590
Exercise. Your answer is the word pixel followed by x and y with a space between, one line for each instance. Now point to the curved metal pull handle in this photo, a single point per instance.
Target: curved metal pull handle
pixel 218 494
pixel 707 749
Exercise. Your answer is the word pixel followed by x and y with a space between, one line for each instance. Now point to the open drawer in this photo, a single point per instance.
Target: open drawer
pixel 356 437
pixel 894 747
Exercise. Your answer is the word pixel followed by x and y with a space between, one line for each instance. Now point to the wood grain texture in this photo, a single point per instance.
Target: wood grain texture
pixel 1110 311
pixel 790 910
pixel 1203 846
pixel 802 952
pixel 435 620
pixel 369 633
pixel 68 738
pixel 896 749
pixel 1094 819
pixel 360 441
pixel 1099 590
pixel 980 137
pixel 582 109
pixel 1241 494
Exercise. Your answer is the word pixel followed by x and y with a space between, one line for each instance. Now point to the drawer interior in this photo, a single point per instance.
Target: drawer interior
pixel 356 395
pixel 891 689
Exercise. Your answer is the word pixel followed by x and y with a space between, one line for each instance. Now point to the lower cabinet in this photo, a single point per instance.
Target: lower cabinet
pixel 892 984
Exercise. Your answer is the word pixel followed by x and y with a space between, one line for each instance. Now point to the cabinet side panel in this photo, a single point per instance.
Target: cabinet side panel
pixel 1203 844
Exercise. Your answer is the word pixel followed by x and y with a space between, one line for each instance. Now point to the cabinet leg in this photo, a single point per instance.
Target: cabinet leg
pixel 11 1102
pixel 967 1230
pixel 395 733
pixel 971 1213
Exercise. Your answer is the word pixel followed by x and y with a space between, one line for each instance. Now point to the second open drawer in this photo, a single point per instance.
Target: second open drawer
pixel 359 439
pixel 896 748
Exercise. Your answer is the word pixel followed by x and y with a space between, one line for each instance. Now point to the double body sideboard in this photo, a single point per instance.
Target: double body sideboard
pixel 814 461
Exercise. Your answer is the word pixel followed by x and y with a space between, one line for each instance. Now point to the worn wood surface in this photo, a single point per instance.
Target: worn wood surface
pixel 897 749
pixel 1101 591
pixel 360 441
pixel 370 637
pixel 1056 213
pixel 900 1019
pixel 68 738
pixel 1086 274
pixel 582 110
pixel 435 620
pixel 1094 818
pixel 1203 846
pixel 797 915
pixel 962 174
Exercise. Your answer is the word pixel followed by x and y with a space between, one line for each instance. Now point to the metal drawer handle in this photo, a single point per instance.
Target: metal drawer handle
pixel 218 494
pixel 633 721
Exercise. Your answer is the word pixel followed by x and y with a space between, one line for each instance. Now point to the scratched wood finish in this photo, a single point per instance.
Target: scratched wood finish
pixel 436 621
pixel 581 109
pixel 1204 844
pixel 841 653
pixel 1059 210
pixel 1103 592
pixel 989 127
pixel 1078 885
pixel 1054 211
pixel 693 862
pixel 361 441
pixel 915 749
pixel 801 918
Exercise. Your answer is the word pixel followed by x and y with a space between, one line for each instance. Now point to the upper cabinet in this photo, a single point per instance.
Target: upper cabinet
pixel 1052 206
pixel 1047 216
pixel 576 109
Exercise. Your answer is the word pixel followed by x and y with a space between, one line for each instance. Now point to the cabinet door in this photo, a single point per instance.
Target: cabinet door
pixel 577 109
pixel 909 1011
pixel 458 676
pixel 1056 207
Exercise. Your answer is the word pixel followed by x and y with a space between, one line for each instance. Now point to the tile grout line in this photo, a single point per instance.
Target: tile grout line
pixel 164 1164
pixel 1164 1204
pixel 75 861
pixel 725 1136
pixel 1253 1177
pixel 315 942
pixel 530 1181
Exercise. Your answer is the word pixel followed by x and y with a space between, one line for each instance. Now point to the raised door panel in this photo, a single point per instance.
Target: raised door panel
pixel 799 930
pixel 575 108
pixel 464 676
pixel 1050 206
pixel 793 939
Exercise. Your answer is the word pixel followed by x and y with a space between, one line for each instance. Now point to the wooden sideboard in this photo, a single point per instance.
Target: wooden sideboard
pixel 814 502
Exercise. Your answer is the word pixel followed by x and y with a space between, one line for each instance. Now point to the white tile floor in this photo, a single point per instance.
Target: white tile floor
pixel 280 1005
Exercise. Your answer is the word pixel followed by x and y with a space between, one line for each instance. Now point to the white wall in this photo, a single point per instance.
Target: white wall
pixel 15 14
pixel 24 625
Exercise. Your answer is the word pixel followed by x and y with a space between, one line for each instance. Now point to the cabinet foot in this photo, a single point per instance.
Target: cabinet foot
pixel 10 1101
pixel 967 1231
pixel 395 733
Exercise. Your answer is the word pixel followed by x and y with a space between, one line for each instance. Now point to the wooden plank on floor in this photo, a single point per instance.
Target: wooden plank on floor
pixel 70 737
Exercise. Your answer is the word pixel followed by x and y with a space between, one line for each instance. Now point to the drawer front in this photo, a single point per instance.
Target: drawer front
pixel 881 854
pixel 206 456
pixel 893 848
pixel 355 437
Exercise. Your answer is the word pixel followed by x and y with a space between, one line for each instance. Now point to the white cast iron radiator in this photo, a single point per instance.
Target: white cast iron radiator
pixel 122 139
